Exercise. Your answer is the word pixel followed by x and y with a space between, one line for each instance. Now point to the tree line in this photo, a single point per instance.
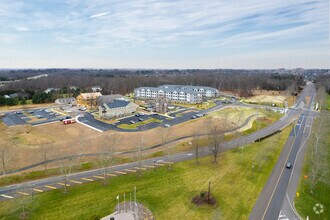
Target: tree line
pixel 125 81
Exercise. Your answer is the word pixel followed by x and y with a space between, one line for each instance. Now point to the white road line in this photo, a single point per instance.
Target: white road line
pixel 110 174
pixel 99 177
pixel 87 179
pixel 6 196
pixel 62 184
pixel 23 193
pixel 50 187
pixel 74 181
pixel 133 171
pixel 37 190
pixel 119 172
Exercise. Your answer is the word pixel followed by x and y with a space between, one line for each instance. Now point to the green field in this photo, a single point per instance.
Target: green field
pixel 321 194
pixel 167 193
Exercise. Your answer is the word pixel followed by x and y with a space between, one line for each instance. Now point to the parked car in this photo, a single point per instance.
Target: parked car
pixel 140 119
pixel 39 116
pixel 61 119
pixel 68 117
pixel 193 117
pixel 137 115
pixel 132 122
pixel 167 125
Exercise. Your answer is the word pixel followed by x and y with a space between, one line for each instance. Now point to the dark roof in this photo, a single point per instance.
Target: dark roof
pixel 117 104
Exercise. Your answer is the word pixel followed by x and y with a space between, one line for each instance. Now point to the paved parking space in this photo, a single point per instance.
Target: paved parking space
pixel 29 117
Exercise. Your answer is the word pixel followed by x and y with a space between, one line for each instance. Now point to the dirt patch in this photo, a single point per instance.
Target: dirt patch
pixel 203 199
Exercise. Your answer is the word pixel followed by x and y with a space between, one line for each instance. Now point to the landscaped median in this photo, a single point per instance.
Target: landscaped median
pixel 236 181
pixel 137 124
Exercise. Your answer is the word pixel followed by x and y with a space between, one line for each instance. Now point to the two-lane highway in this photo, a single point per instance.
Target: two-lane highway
pixel 270 202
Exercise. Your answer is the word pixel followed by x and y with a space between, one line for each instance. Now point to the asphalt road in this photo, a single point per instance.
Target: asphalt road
pixel 270 202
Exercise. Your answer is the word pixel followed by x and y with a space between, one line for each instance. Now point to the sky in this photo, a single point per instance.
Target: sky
pixel 164 34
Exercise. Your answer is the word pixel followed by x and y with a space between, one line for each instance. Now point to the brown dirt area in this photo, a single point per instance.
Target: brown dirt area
pixel 71 139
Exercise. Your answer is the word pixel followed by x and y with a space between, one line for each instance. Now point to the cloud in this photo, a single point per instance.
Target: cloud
pixel 22 29
pixel 99 15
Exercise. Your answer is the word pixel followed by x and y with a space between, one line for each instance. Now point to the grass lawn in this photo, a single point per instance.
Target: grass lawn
pixel 137 124
pixel 327 101
pixel 306 201
pixel 168 193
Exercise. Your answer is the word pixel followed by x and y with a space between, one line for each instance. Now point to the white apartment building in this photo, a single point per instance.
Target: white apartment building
pixel 176 93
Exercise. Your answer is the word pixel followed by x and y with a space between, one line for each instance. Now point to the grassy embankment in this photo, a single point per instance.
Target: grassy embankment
pixel 321 193
pixel 167 193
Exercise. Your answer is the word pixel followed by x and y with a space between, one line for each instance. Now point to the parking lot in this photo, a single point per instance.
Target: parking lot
pixel 33 117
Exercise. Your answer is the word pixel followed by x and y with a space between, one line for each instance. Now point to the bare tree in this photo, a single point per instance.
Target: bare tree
pixel 139 155
pixel 65 167
pixel 319 167
pixel 44 151
pixel 25 200
pixel 106 155
pixel 196 144
pixel 169 149
pixel 4 155
pixel 215 138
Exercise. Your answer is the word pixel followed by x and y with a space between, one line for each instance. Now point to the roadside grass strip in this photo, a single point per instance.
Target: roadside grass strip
pixel 63 184
pixel 74 181
pixel 120 172
pixel 87 179
pixel 6 196
pixel 50 187
pixel 37 190
pixel 110 174
pixel 23 193
pixel 99 177
pixel 133 171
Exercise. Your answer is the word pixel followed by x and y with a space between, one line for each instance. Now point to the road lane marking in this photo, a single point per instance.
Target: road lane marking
pixel 133 171
pixel 140 168
pixel 149 166
pixel 6 196
pixel 99 177
pixel 119 172
pixel 110 174
pixel 75 181
pixel 23 193
pixel 167 162
pixel 37 190
pixel 63 184
pixel 87 179
pixel 50 187
pixel 160 164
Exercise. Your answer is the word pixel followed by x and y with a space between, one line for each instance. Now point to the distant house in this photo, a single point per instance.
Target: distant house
pixel 69 101
pixel 37 77
pixel 96 89
pixel 48 90
pixel 108 98
pixel 88 99
pixel 117 108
